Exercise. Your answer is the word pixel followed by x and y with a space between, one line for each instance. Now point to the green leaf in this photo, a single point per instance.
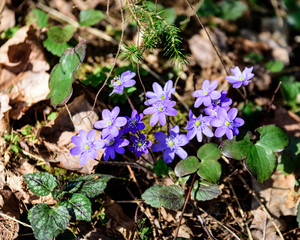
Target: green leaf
pixel 63 74
pixel 210 170
pixel 232 9
pixel 208 8
pixel 79 207
pixel 57 39
pixel 253 57
pixel 273 138
pixel 293 18
pixel 204 191
pixel 161 168
pixel 171 197
pixel 72 186
pixel 238 147
pixel 290 90
pixel 169 15
pixel 90 17
pixel 150 196
pixel 261 162
pixel 93 184
pixel 274 66
pixel 298 214
pixel 9 32
pixel 209 151
pixel 187 166
pixel 41 18
pixel 40 183
pixel 46 222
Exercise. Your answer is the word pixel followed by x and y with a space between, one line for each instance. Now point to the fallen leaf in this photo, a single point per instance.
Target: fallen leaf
pixel 7 19
pixel 290 122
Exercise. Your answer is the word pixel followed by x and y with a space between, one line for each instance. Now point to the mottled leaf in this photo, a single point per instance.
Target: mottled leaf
pixel 40 183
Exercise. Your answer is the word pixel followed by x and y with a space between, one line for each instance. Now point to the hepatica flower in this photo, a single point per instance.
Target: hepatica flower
pixel 134 123
pixel 227 123
pixel 139 145
pixel 207 94
pixel 125 80
pixel 223 102
pixel 171 145
pixel 160 94
pixel 160 110
pixel 240 78
pixel 110 122
pixel 86 146
pixel 197 126
pixel 114 144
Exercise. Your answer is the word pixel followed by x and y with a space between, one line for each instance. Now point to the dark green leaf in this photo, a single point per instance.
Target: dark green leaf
pixel 210 170
pixel 46 222
pixel 232 9
pixel 253 57
pixel 272 138
pixel 290 90
pixel 63 74
pixel 298 214
pixel 275 66
pixel 72 186
pixel 93 184
pixel 238 147
pixel 187 166
pixel 209 151
pixel 41 18
pixel 161 168
pixel 171 197
pixel 40 183
pixel 79 207
pixel 294 18
pixel 261 162
pixel 204 191
pixel 208 8
pixel 150 196
pixel 90 17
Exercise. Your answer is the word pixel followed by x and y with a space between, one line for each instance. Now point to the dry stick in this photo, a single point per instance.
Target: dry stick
pixel 185 203
pixel 224 226
pixel 63 18
pixel 273 97
pixel 203 224
pixel 134 179
pixel 128 99
pixel 262 205
pixel 6 216
pixel 241 210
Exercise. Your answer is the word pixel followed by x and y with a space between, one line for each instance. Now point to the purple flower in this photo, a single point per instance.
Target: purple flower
pixel 159 110
pixel 239 77
pixel 207 94
pixel 216 104
pixel 86 146
pixel 134 123
pixel 171 145
pixel 110 122
pixel 139 145
pixel 197 126
pixel 227 123
pixel 160 94
pixel 114 144
pixel 125 80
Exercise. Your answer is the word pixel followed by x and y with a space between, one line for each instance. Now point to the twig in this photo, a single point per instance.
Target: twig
pixel 63 18
pixel 273 97
pixel 262 205
pixel 241 211
pixel 224 226
pixel 202 25
pixel 6 216
pixel 134 179
pixel 184 206
pixel 203 224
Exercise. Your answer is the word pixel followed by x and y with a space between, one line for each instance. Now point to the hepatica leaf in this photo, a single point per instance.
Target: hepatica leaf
pixel 210 170
pixel 63 74
pixel 204 190
pixel 40 183
pixel 90 17
pixel 48 222
pixel 150 196
pixel 209 151
pixel 260 158
pixel 187 166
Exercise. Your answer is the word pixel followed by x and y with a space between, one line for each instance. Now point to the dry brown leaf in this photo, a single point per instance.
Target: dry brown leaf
pixel 23 71
pixel 7 19
pixel 289 121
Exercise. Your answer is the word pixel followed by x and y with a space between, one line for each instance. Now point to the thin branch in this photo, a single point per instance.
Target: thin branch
pixel 6 216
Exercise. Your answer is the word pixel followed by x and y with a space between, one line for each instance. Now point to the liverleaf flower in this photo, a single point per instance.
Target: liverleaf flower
pixel 227 123
pixel 160 94
pixel 114 145
pixel 240 78
pixel 110 122
pixel 134 123
pixel 171 145
pixel 207 94
pixel 125 80
pixel 197 126
pixel 216 104
pixel 140 145
pixel 160 110
pixel 86 146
